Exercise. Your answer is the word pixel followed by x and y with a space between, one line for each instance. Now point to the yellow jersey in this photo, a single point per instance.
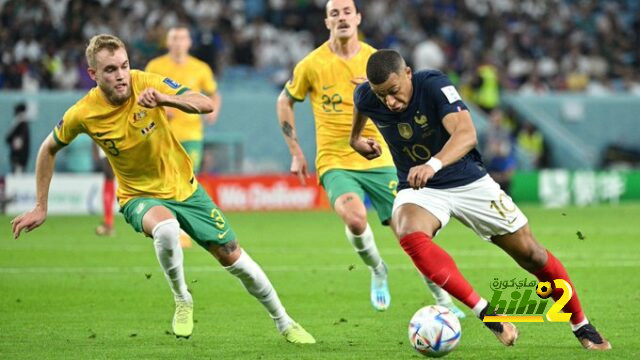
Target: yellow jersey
pixel 197 76
pixel 147 159
pixel 331 81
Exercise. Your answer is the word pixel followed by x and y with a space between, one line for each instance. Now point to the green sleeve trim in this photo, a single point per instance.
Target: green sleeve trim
pixel 60 142
pixel 183 90
pixel 291 96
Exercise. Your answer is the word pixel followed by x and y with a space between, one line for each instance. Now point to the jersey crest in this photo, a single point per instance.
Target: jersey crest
pixel 139 116
pixel 405 130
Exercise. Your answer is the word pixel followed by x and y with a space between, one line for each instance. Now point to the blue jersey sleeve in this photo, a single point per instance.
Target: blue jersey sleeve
pixel 444 95
pixel 359 95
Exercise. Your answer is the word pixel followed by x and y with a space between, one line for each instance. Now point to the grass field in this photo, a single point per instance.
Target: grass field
pixel 68 294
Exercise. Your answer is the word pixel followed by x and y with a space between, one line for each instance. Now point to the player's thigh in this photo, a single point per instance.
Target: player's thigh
pixel 425 210
pixel 381 186
pixel 201 218
pixel 345 194
pixel 486 209
pixel 143 214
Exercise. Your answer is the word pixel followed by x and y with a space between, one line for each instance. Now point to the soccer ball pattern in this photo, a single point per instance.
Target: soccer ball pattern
pixel 434 331
pixel 544 289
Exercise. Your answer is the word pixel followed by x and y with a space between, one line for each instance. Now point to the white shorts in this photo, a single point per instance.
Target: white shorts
pixel 481 205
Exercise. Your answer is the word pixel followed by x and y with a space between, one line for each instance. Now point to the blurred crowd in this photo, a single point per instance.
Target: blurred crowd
pixel 532 46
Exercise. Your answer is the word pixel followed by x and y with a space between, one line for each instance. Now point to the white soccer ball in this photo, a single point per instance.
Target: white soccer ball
pixel 434 331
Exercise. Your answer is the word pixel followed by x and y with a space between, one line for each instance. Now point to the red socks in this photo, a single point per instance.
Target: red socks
pixel 552 270
pixel 434 263
pixel 108 194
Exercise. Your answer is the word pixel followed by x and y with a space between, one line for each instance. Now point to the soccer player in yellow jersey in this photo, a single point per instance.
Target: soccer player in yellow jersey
pixel 157 191
pixel 185 69
pixel 330 74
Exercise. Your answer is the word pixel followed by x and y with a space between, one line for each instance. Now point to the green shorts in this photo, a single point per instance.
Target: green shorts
pixel 194 149
pixel 198 216
pixel 379 184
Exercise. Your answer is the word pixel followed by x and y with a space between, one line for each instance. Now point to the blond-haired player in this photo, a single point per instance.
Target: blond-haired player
pixel 330 74
pixel 157 192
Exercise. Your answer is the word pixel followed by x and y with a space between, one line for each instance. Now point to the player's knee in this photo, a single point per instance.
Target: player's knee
pixel 356 222
pixel 166 234
pixel 407 228
pixel 533 257
pixel 538 257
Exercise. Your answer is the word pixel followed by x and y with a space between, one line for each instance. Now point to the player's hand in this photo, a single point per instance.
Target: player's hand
pixel 151 98
pixel 28 221
pixel 419 175
pixel 299 167
pixel 211 117
pixel 367 147
pixel 171 112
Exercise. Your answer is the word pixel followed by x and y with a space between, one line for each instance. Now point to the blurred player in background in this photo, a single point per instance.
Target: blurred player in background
pixel 178 65
pixel 157 189
pixel 330 73
pixel 108 193
pixel 432 139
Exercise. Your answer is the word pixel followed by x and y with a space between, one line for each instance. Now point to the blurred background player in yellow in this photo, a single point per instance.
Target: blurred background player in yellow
pixel 330 73
pixel 185 69
pixel 157 190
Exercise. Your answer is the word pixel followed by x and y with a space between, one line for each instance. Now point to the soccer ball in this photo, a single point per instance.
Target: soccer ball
pixel 544 289
pixel 434 331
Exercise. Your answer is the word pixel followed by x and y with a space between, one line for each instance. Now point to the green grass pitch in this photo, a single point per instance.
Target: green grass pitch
pixel 68 294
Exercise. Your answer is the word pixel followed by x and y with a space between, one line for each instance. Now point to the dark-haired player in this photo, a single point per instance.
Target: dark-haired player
pixel 329 75
pixel 432 141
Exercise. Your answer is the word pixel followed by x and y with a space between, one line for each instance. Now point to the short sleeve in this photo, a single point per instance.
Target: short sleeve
pixel 298 86
pixel 358 95
pixel 68 128
pixel 445 95
pixel 209 84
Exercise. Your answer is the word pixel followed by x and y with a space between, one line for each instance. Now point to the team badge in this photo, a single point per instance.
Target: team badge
pixel 405 130
pixel 139 115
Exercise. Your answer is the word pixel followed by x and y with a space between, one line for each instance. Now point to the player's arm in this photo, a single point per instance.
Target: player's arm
pixel 463 138
pixel 190 101
pixel 44 172
pixel 287 121
pixel 367 147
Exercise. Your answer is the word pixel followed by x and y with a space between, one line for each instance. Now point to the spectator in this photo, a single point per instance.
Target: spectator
pixel 18 140
pixel 531 141
pixel 569 42
pixel 499 151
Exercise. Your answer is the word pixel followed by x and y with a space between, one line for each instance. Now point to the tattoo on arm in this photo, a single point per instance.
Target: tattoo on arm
pixel 287 130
